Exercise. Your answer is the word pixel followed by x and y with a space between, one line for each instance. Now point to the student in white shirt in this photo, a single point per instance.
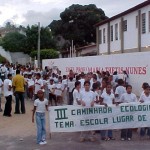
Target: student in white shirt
pixel 145 98
pixel 40 106
pixel 52 96
pixel 107 99
pixel 8 95
pixel 65 84
pixel 97 92
pixel 77 94
pixel 38 85
pixel 128 97
pixel 1 85
pixel 71 85
pixel 119 91
pixel 82 80
pixel 87 100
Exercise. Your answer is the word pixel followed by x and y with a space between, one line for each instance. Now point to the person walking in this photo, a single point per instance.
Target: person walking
pixel 18 87
pixel 8 95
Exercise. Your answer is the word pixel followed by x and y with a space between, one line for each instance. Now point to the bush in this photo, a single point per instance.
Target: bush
pixel 45 54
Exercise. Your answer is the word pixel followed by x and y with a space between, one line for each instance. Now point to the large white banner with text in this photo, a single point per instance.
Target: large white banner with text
pixel 77 118
pixel 137 66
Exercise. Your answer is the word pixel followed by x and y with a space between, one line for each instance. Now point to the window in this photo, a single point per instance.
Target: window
pixel 125 25
pixel 100 36
pixel 149 20
pixel 104 35
pixel 143 23
pixel 137 21
pixel 111 33
pixel 116 31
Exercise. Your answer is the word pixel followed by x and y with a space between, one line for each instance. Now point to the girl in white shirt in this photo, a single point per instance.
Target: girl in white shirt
pixel 145 98
pixel 40 106
pixel 128 97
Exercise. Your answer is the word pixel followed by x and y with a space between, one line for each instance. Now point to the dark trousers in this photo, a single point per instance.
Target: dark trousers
pixel 144 131
pixel 70 98
pixel 19 99
pixel 8 107
pixel 126 133
pixel 52 97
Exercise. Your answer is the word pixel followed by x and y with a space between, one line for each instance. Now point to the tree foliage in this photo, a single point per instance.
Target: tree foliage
pixel 46 54
pixel 77 23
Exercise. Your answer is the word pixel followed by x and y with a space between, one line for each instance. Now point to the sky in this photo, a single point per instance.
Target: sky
pixel 30 12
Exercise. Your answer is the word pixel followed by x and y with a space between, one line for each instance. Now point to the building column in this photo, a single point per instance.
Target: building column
pixel 97 40
pixel 108 37
pixel 139 30
pixel 122 35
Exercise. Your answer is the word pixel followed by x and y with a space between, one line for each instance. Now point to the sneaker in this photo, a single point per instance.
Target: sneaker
pixel 129 139
pixel 122 139
pixel 41 143
pixel 44 142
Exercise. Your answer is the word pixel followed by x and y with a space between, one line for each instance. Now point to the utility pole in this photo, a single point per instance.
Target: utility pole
pixel 38 54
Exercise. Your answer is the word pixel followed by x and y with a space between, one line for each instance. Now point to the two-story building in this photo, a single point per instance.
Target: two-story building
pixel 126 32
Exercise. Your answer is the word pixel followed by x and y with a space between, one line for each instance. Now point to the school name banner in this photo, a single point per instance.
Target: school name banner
pixel 72 119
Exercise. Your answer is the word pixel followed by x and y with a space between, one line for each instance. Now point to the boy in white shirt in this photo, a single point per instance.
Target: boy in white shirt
pixel 77 94
pixel 119 91
pixel 70 88
pixel 145 98
pixel 87 100
pixel 107 99
pixel 1 85
pixel 38 85
pixel 128 97
pixel 8 95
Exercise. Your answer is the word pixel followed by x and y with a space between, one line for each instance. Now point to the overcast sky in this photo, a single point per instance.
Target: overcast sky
pixel 24 12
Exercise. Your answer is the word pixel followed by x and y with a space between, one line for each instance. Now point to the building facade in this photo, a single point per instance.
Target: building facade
pixel 126 32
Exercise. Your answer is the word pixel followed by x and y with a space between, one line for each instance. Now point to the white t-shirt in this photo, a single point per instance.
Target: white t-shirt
pixel 30 82
pixel 87 97
pixel 76 96
pixel 82 83
pixel 41 105
pixel 119 91
pixel 108 99
pixel 51 87
pixel 7 83
pixel 1 84
pixel 38 85
pixel 145 98
pixel 127 98
pixel 71 85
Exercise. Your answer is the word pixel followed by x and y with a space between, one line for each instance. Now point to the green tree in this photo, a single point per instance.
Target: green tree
pixel 46 54
pixel 14 42
pixel 77 23
pixel 46 39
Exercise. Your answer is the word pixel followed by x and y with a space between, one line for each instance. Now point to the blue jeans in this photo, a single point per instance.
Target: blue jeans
pixel 106 133
pixel 41 131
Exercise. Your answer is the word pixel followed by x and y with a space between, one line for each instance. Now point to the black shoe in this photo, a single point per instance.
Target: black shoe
pixel 16 112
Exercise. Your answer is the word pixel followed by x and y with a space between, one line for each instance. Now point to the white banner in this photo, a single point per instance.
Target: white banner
pixel 137 65
pixel 71 119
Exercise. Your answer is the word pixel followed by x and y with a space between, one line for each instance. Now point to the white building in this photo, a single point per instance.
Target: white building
pixel 126 32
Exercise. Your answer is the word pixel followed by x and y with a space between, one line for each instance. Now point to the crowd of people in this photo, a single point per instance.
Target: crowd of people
pixel 48 87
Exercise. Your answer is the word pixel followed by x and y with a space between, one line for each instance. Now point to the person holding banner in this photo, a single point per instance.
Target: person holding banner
pixel 128 97
pixel 40 106
pixel 145 98
pixel 87 100
pixel 107 99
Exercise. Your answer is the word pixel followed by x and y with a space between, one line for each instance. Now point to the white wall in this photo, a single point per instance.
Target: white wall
pixel 145 38
pixel 138 68
pixel 103 48
pixel 5 54
pixel 131 35
pixel 115 45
